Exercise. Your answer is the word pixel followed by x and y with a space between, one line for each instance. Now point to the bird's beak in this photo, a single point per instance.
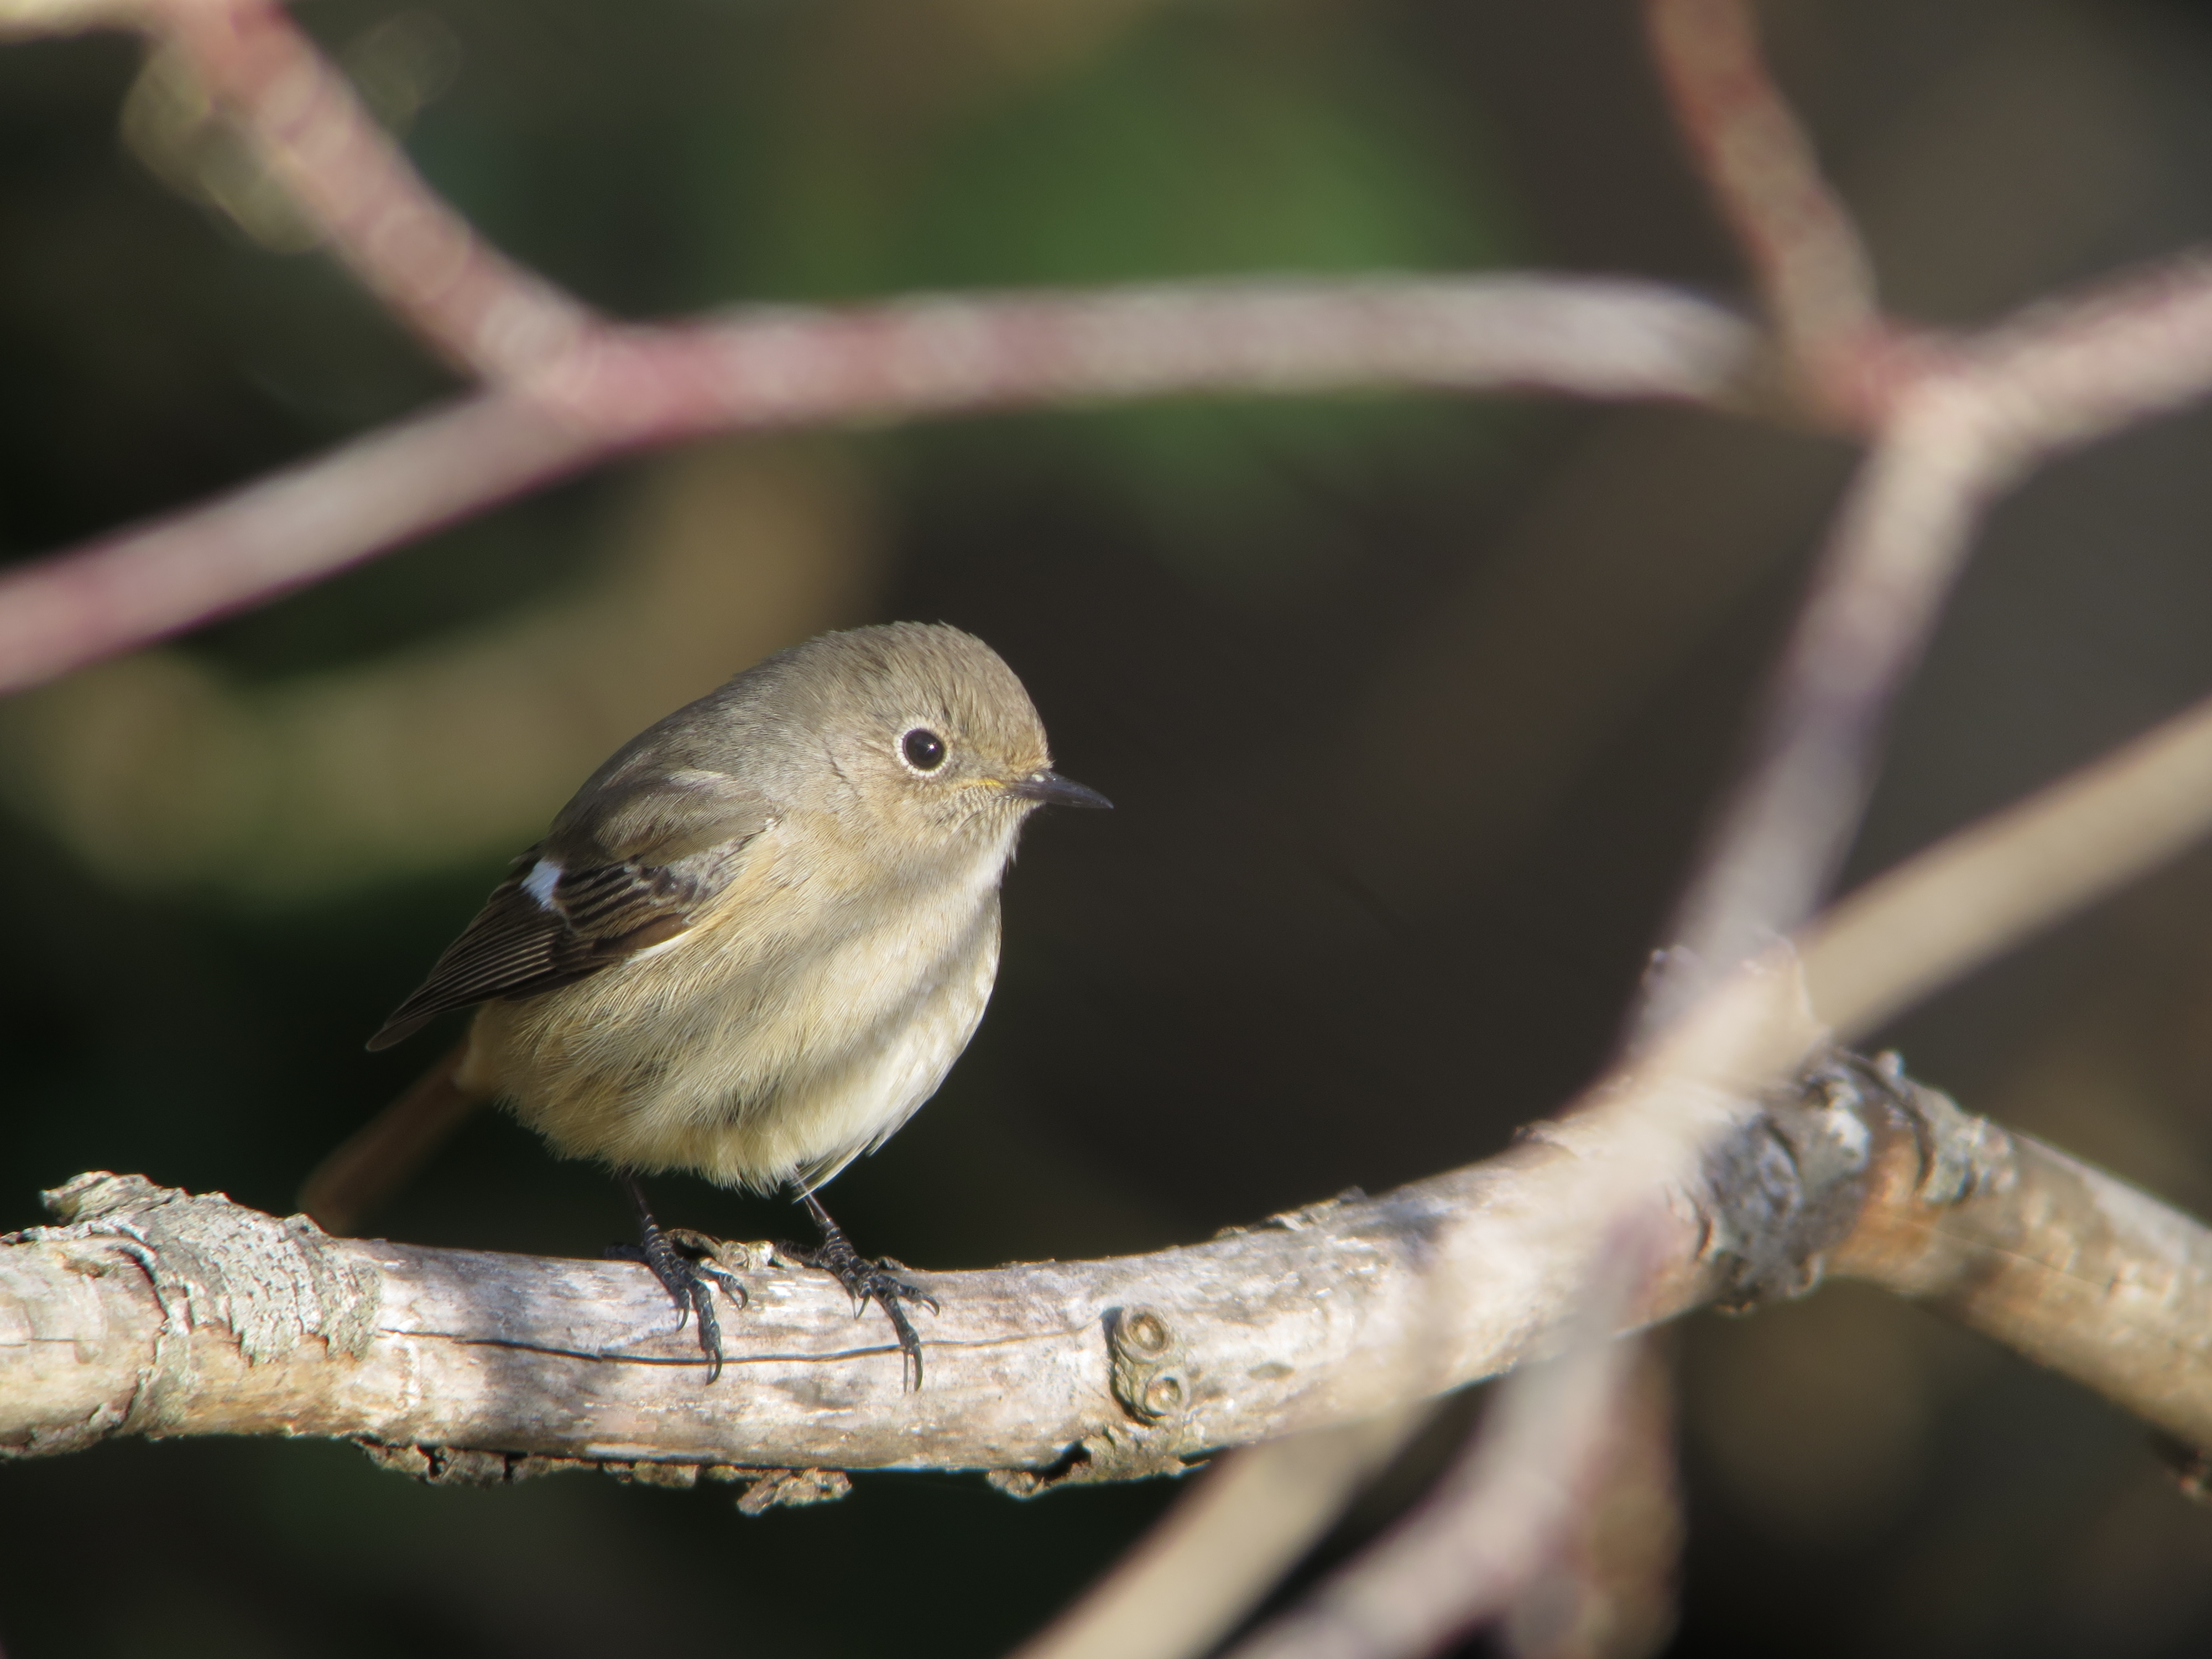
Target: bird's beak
pixel 1053 790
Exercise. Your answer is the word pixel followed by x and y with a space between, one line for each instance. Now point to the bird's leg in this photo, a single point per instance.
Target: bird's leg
pixel 689 1283
pixel 867 1279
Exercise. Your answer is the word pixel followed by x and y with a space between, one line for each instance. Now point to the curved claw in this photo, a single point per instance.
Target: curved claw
pixel 690 1284
pixel 868 1280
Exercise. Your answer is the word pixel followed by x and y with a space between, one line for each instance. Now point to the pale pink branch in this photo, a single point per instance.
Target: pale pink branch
pixel 1902 536
pixel 2058 377
pixel 634 386
pixel 1581 336
pixel 280 532
pixel 1935 918
pixel 2067 373
pixel 1756 158
pixel 23 18
pixel 421 258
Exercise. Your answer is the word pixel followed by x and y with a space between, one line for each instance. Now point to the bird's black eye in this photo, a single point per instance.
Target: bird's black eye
pixel 923 749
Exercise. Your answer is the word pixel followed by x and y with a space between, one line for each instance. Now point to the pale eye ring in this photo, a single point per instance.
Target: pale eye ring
pixel 921 749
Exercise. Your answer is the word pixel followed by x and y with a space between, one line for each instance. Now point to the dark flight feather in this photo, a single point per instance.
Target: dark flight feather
pixel 593 919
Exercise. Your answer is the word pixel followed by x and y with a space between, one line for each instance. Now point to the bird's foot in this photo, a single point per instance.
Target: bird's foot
pixel 680 1258
pixel 866 1280
pixel 727 1255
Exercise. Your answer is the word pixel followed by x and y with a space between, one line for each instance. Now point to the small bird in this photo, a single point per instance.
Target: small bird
pixel 758 937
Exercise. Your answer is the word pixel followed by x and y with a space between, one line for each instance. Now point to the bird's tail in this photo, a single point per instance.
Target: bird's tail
pixel 363 1172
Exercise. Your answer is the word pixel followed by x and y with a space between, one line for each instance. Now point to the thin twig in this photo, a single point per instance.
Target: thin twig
pixel 421 258
pixel 1935 918
pixel 2058 377
pixel 1608 1592
pixel 1900 539
pixel 1757 161
pixel 2067 372
pixel 283 531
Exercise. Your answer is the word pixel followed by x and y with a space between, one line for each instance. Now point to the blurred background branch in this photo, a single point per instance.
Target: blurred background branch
pixel 1577 336
pixel 316 140
pixel 1811 270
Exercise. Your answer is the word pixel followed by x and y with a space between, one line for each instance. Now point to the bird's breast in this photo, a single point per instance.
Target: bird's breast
pixel 798 1022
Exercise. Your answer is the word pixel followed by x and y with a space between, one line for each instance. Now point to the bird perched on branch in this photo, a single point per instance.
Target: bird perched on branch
pixel 758 937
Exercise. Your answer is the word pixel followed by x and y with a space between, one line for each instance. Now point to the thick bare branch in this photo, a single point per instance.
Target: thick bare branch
pixel 1346 1311
pixel 2063 1264
pixel 148 1312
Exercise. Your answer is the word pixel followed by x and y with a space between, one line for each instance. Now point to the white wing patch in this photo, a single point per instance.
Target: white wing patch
pixel 544 876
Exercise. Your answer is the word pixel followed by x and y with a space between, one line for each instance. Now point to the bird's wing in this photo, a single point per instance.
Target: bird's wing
pixel 573 905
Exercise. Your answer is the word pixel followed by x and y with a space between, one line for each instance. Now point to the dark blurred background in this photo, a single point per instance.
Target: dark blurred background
pixel 1411 708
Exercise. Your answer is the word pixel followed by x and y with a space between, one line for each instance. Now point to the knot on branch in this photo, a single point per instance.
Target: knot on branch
pixel 1113 1453
pixel 270 1284
pixel 1790 1186
pixel 1149 1362
pixel 1961 1156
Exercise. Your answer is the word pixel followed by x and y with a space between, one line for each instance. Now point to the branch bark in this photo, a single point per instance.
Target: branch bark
pixel 149 1312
